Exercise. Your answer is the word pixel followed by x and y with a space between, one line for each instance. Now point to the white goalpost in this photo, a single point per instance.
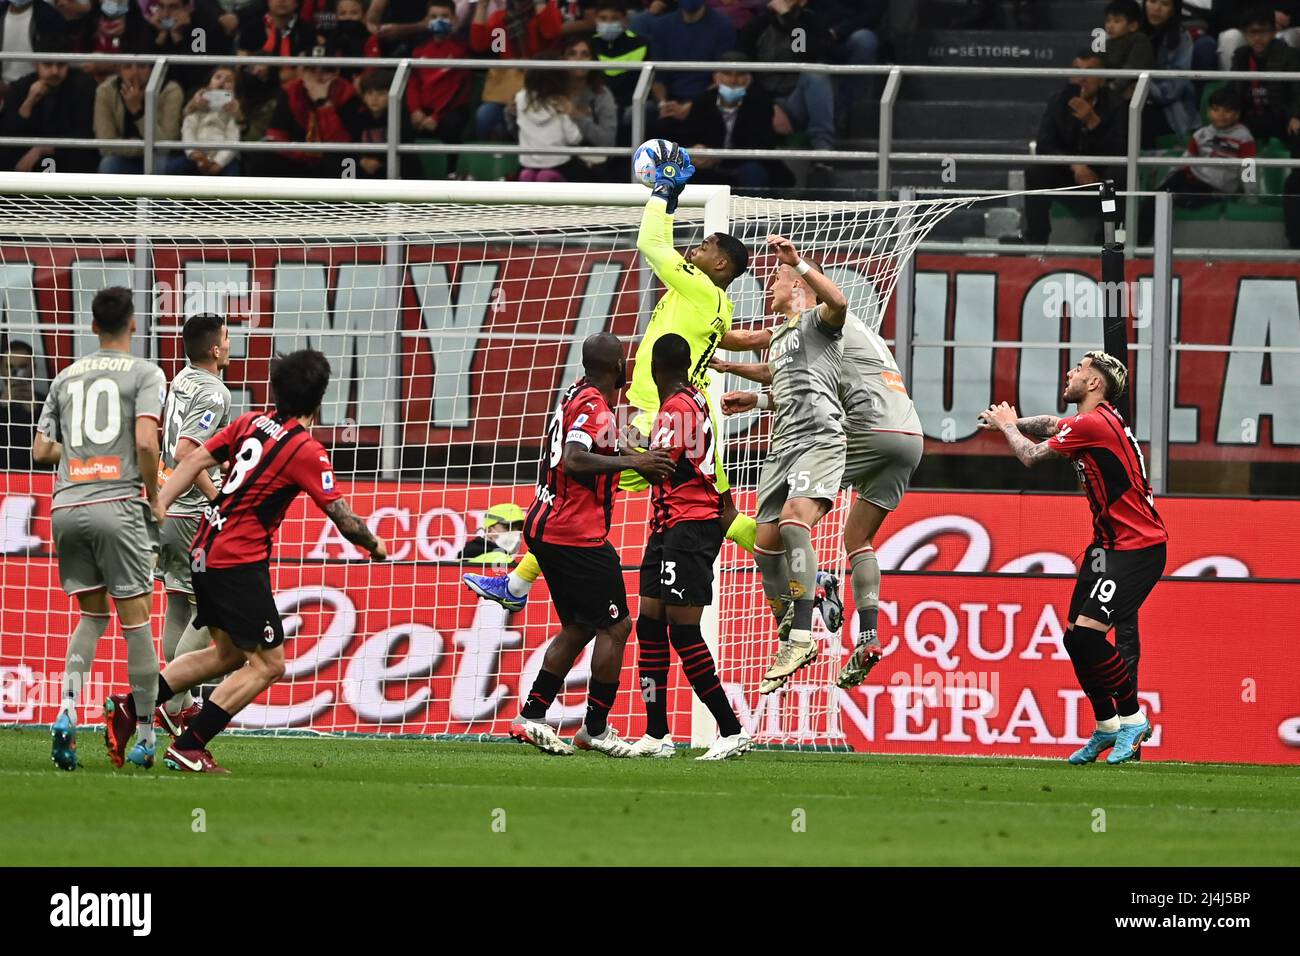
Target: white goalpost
pixel 452 314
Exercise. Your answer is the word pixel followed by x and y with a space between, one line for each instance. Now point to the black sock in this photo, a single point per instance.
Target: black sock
pixel 165 693
pixel 1101 672
pixel 803 611
pixel 211 721
pixel 868 618
pixel 542 695
pixel 600 698
pixel 697 662
pixel 652 663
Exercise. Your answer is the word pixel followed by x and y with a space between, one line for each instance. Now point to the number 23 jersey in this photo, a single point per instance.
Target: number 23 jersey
pixel 271 460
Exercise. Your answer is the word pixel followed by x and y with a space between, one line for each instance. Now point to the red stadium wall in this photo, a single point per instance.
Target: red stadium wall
pixel 974 663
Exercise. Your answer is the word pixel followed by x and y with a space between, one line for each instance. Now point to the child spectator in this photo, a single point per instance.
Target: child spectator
pixel 437 99
pixel 348 22
pixel 522 28
pixel 542 114
pixel 1268 108
pixel 373 87
pixel 119 114
pixel 1171 104
pixel 318 107
pixel 213 115
pixel 1127 47
pixel 590 105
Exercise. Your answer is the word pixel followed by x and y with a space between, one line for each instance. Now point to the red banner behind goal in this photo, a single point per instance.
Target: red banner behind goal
pixel 974 664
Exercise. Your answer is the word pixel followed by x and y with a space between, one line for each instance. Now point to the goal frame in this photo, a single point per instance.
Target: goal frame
pixel 714 201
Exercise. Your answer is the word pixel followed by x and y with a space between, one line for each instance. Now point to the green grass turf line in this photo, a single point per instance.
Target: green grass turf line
pixel 345 801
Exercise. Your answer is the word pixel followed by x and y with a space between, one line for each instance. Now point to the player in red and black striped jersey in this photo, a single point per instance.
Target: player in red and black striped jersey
pixel 1127 554
pixel 567 531
pixel 272 458
pixel 677 570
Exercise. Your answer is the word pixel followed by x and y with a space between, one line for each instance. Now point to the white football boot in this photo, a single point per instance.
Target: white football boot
pixel 540 735
pixel 724 748
pixel 608 742
pixel 790 656
pixel 654 747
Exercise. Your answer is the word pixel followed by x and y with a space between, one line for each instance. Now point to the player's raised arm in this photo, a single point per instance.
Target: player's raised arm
pixel 655 239
pixel 834 306
pixel 1004 418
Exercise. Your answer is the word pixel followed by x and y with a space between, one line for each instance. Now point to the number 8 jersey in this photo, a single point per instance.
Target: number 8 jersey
pixel 91 410
pixel 271 460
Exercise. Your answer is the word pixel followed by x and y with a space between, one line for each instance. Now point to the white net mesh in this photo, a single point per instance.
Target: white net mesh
pixel 452 330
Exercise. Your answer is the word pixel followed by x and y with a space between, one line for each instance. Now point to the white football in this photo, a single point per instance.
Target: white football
pixel 645 158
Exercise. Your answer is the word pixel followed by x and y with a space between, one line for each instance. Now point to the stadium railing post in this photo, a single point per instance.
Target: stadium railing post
pixel 396 94
pixel 717 218
pixel 1131 166
pixel 639 97
pixel 1162 281
pixel 887 100
pixel 157 76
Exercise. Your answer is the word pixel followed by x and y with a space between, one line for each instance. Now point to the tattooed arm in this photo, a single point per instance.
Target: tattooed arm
pixel 355 530
pixel 1003 417
pixel 1039 426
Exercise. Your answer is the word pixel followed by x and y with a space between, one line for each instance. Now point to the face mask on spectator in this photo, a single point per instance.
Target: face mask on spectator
pixel 440 26
pixel 167 23
pixel 731 94
pixel 609 31
pixel 20 3
pixel 113 9
pixel 690 6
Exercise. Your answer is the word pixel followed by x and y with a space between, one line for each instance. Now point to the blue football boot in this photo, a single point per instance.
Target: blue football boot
pixel 1128 741
pixel 1098 744
pixel 494 587
pixel 63 750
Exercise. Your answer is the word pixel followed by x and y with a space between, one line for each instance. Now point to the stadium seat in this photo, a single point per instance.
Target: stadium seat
pixel 487 166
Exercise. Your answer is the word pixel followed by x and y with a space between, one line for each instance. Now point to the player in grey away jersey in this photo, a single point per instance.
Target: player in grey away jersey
pixel 884 447
pixel 198 406
pixel 100 424
pixel 801 477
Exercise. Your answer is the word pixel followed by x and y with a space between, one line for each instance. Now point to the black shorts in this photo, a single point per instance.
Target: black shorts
pixel 240 602
pixel 586 584
pixel 1113 584
pixel 678 563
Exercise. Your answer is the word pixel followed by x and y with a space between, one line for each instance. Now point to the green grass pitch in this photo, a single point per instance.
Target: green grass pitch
pixel 310 801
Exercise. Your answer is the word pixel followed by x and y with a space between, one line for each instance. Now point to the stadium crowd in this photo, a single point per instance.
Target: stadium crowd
pixel 550 112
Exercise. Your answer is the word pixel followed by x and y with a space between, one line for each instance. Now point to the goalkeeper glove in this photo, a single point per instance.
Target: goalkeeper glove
pixel 672 172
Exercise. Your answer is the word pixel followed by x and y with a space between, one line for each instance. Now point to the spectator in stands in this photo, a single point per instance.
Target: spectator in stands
pixel 1226 21
pixel 736 113
pixel 788 32
pixel 78 24
pixel 1172 105
pixel 169 30
pixel 1272 109
pixel 21 22
pixel 1127 47
pixel 273 28
pixel 498 543
pixel 352 37
pixel 119 114
pixel 591 105
pixel 398 25
pixel 119 22
pixel 373 87
pixel 855 30
pixel 56 100
pixel 18 407
pixel 1225 138
pixel 437 100
pixel 318 107
pixel 521 28
pixel 579 18
pixel 541 112
pixel 616 43
pixel 1087 118
pixel 692 32
pixel 739 12
pixel 213 115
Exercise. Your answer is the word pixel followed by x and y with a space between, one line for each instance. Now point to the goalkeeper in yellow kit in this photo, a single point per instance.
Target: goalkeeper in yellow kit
pixel 696 307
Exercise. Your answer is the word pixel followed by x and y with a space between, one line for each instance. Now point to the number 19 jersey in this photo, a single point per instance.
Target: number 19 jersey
pixel 271 460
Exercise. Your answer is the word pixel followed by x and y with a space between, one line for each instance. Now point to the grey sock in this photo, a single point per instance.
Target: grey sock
pixel 142 669
pixel 179 614
pixel 802 559
pixel 192 640
pixel 81 655
pixel 775 572
pixel 866 590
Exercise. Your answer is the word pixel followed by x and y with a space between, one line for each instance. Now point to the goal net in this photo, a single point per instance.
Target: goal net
pixel 452 315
